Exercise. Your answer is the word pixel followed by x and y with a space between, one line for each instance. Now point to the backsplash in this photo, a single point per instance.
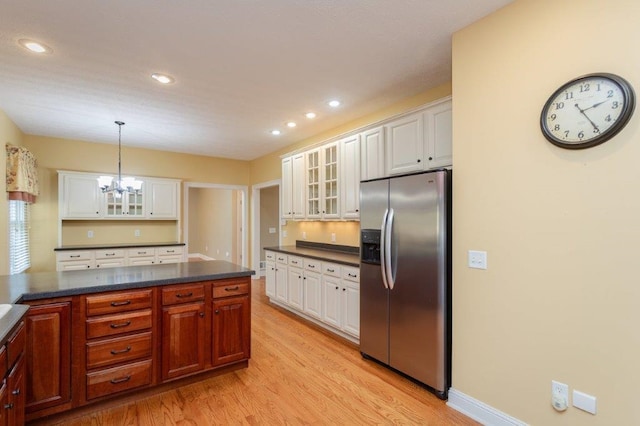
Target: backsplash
pixel 346 233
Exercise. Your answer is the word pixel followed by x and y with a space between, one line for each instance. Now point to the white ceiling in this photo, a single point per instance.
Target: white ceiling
pixel 242 67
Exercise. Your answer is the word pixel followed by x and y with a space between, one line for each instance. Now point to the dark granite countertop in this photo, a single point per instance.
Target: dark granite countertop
pixel 344 255
pixel 113 246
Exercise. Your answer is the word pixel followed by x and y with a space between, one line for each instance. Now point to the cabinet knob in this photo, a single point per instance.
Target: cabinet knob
pixel 337 288
pixel 217 311
pixel 419 160
pixel 344 289
pixel 201 314
pixel 430 158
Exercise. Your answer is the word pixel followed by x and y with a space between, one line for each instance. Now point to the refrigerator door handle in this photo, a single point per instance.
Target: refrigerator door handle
pixel 387 250
pixel 383 255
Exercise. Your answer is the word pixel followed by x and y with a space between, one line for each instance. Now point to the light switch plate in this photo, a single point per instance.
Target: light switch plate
pixel 477 259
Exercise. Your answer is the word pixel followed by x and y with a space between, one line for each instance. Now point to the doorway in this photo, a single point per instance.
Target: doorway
pixel 266 222
pixel 215 222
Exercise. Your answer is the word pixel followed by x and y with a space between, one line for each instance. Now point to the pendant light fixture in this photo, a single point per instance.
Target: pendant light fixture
pixel 120 185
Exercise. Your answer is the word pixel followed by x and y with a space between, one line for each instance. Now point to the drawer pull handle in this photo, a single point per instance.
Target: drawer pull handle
pixel 352 275
pixel 122 351
pixel 16 392
pixel 294 262
pixel 125 303
pixel 142 252
pixel 121 380
pixel 331 270
pixel 109 254
pixel 124 324
pixel 312 266
pixel 8 406
pixel 236 288
pixel 180 295
pixel 171 251
pixel 74 255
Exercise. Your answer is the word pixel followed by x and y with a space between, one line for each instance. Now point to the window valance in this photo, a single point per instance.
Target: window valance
pixel 22 174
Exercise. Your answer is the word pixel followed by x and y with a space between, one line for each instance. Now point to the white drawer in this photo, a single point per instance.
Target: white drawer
pixel 74 265
pixel 171 251
pixel 269 256
pixel 170 259
pixel 350 273
pixel 295 261
pixel 312 265
pixel 110 254
pixel 281 258
pixel 141 251
pixel 64 256
pixel 332 269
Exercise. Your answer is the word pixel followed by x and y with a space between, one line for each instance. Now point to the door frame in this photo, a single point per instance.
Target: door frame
pixel 244 191
pixel 255 221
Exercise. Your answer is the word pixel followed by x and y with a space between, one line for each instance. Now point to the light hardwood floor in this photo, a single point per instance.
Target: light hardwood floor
pixel 298 375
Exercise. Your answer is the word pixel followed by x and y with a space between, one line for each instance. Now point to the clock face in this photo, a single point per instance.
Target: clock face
pixel 587 111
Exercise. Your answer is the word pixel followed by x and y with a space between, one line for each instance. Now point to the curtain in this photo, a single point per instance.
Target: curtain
pixel 22 174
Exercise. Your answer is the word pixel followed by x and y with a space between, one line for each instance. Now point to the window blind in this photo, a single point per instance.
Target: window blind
pixel 19 259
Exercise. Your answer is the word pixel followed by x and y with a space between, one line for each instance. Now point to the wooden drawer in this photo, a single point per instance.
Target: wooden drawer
pixel 331 269
pixel 172 295
pixel 16 344
pixel 350 273
pixel 312 265
pixel 64 256
pixel 170 251
pixel 232 289
pixel 281 258
pixel 118 379
pixel 118 302
pixel 118 324
pixel 295 261
pixel 109 254
pixel 141 252
pixel 119 349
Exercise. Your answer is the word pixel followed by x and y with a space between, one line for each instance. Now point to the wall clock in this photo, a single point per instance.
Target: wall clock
pixel 587 111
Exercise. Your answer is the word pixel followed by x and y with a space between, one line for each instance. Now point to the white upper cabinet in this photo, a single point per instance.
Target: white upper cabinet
pixel 372 153
pixel 405 144
pixel 162 198
pixel 330 181
pixel 286 190
pixel 79 196
pixel 297 186
pixel 313 210
pixel 350 177
pixel 438 135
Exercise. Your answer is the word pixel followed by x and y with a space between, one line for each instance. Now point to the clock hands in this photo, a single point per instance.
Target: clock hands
pixel 594 105
pixel 582 111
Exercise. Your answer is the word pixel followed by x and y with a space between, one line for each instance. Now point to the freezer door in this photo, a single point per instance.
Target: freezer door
pixel 417 303
pixel 374 297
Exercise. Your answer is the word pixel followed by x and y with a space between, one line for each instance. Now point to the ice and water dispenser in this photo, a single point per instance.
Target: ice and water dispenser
pixel 370 242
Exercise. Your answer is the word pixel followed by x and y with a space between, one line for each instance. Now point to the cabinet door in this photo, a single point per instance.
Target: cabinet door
pixel 270 284
pixel 231 330
pixel 4 403
pixel 286 191
pixel 281 283
pixel 330 182
pixel 372 154
pixel 298 186
pixel 162 199
pixel 312 294
pixel 49 378
pixel 295 291
pixel 81 197
pixel 405 145
pixel 331 297
pixel 313 184
pixel 16 393
pixel 183 333
pixel 351 309
pixel 438 137
pixel 350 177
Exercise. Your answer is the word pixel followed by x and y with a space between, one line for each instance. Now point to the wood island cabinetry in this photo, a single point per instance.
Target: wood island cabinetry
pixel 12 386
pixel 231 322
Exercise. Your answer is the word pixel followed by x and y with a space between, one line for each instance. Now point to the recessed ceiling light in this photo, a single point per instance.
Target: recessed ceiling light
pixel 334 104
pixel 162 78
pixel 291 124
pixel 34 46
pixel 310 115
pixel 275 132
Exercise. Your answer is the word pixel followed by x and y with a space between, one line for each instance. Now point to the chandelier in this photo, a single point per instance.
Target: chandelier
pixel 120 185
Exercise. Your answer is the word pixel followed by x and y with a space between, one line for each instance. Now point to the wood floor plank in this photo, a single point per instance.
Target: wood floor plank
pixel 299 374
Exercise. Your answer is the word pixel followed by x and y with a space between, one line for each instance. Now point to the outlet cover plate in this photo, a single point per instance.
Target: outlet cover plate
pixel 477 259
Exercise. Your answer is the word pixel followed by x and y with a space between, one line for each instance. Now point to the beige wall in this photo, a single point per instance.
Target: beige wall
pixel 62 154
pixel 9 134
pixel 560 297
pixel 212 221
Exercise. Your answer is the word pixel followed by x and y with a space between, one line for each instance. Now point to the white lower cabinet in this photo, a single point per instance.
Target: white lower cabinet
pixel 73 260
pixel 326 293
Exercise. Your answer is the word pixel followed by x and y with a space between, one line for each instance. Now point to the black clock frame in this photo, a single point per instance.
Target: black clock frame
pixel 625 116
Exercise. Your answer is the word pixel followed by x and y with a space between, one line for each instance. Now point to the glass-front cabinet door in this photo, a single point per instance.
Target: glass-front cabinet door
pixel 331 195
pixel 313 184
pixel 127 204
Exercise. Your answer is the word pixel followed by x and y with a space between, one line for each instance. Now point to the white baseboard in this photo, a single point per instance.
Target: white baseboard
pixel 200 256
pixel 479 411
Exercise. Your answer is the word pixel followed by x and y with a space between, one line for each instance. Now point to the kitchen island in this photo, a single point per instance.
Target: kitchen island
pixel 95 335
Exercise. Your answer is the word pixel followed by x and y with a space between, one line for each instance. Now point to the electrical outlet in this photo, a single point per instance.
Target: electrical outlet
pixel 136 233
pixel 89 234
pixel 284 234
pixel 333 237
pixel 304 235
pixel 477 259
pixel 559 395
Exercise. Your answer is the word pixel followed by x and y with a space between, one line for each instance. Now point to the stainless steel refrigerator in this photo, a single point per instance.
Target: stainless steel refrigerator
pixel 405 275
